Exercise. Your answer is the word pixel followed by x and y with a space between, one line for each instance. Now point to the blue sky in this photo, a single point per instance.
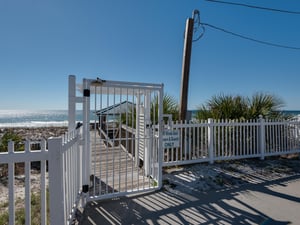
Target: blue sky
pixel 42 42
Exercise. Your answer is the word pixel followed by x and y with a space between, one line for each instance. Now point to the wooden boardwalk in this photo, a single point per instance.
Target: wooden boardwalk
pixel 113 170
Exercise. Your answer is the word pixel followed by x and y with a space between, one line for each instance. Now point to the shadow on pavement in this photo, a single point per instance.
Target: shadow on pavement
pixel 235 206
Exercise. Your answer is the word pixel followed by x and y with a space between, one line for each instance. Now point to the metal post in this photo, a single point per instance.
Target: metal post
pixel 148 128
pixel 160 131
pixel 137 130
pixel 72 103
pixel 86 137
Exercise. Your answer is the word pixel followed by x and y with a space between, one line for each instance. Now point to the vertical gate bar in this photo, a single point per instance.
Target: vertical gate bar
pixel 144 139
pixel 106 149
pixel 100 141
pixel 133 137
pixel 126 140
pixel 160 120
pixel 152 146
pixel 86 137
pixel 113 141
pixel 94 146
pixel 120 136
pixel 138 137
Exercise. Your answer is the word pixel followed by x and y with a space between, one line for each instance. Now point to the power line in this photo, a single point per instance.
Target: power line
pixel 251 39
pixel 197 26
pixel 255 7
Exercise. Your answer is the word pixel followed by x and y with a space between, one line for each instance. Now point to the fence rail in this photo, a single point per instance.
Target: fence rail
pixel 64 169
pixel 11 158
pixel 211 140
pixel 199 142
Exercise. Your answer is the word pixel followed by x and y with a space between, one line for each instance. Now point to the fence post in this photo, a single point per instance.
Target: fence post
pixel 86 138
pixel 262 137
pixel 210 137
pixel 56 181
pixel 72 103
pixel 11 184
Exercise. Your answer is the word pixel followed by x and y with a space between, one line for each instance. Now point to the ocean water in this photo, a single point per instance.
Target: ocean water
pixel 45 118
pixel 54 118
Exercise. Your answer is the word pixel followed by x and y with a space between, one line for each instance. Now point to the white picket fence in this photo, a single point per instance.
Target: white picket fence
pixel 211 140
pixel 199 142
pixel 64 170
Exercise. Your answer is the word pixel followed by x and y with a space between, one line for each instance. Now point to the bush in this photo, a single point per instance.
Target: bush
pixel 11 136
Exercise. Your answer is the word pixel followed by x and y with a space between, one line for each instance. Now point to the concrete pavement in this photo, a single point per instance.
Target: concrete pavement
pixel 272 202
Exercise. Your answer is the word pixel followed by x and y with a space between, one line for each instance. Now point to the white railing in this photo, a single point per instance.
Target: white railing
pixel 211 140
pixel 65 177
pixel 64 170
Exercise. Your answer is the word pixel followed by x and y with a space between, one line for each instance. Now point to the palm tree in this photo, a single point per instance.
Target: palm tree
pixel 239 107
pixel 266 105
pixel 170 106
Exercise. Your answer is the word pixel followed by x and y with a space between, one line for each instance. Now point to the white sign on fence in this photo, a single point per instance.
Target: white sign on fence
pixel 171 138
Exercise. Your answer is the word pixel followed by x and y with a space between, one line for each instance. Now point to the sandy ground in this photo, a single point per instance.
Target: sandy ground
pixel 19 188
pixel 232 192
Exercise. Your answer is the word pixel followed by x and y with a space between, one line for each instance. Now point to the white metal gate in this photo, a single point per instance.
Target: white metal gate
pixel 122 137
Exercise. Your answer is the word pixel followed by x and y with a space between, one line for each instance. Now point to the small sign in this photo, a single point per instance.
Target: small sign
pixel 171 138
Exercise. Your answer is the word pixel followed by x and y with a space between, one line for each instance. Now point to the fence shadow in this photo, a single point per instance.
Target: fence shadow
pixel 233 206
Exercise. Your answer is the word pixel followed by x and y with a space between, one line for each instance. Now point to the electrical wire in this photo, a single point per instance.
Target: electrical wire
pixel 249 38
pixel 197 26
pixel 200 35
pixel 255 7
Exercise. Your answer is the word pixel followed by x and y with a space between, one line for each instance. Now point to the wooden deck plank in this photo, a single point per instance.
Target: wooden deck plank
pixel 114 170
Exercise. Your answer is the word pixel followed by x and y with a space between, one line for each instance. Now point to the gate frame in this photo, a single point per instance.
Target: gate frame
pixel 85 89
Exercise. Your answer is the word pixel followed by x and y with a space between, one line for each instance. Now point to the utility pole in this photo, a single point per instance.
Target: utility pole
pixel 187 51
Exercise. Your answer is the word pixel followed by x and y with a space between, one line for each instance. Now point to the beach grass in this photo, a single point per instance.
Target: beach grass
pixel 20 210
